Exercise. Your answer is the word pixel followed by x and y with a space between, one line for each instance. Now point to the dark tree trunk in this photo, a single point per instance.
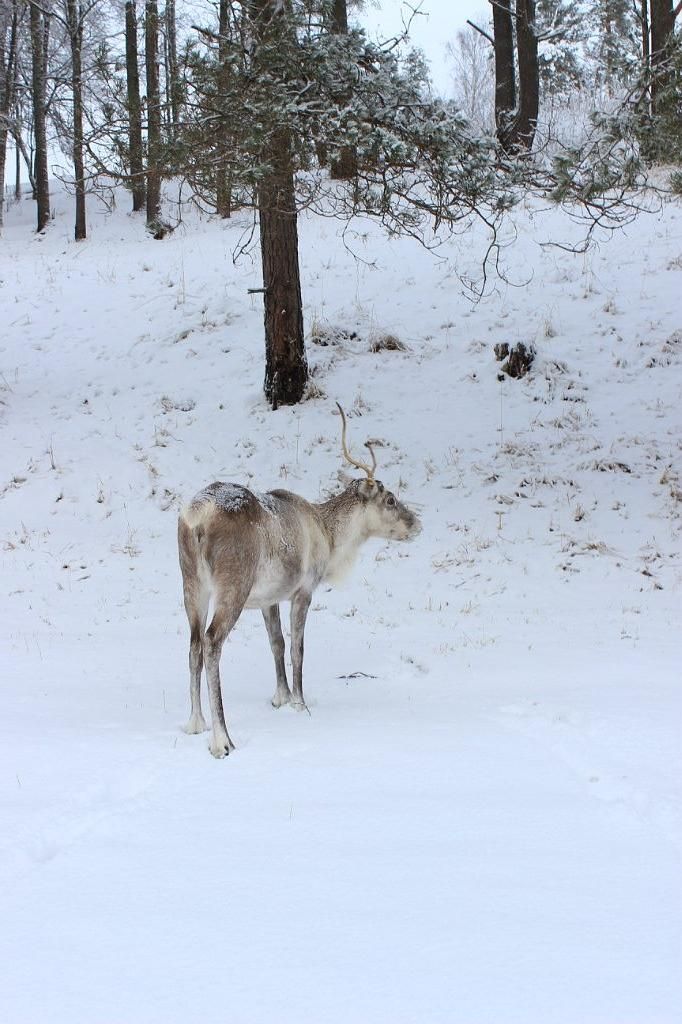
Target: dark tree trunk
pixel 608 49
pixel 3 162
pixel 39 26
pixel 8 77
pixel 223 176
pixel 340 16
pixel 529 75
pixel 662 22
pixel 516 119
pixel 18 142
pixel 646 48
pixel 17 172
pixel 345 165
pixel 321 153
pixel 134 109
pixel 151 36
pixel 28 158
pixel 286 368
pixel 75 22
pixel 174 86
pixel 505 78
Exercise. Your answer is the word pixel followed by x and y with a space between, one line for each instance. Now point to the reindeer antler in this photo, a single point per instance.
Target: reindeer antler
pixel 349 458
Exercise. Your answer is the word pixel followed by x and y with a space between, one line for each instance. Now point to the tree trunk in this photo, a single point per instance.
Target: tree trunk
pixel 286 368
pixel 516 123
pixel 27 156
pixel 17 172
pixel 151 36
pixel 340 16
pixel 75 22
pixel 39 27
pixel 174 86
pixel 8 78
pixel 505 79
pixel 662 22
pixel 134 109
pixel 3 161
pixel 529 75
pixel 646 49
pixel 345 165
pixel 223 176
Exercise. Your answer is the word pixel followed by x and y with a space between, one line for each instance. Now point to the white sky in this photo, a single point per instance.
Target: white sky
pixel 431 30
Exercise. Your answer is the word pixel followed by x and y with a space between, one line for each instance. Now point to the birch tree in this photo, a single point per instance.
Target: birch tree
pixel 286 367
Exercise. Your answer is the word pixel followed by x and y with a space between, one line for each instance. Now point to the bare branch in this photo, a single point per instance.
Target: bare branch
pixel 484 34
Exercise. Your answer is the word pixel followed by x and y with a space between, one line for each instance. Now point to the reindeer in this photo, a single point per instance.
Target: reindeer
pixel 249 550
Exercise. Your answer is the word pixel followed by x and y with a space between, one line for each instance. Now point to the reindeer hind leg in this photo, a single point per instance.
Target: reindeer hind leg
pixel 229 602
pixel 196 599
pixel 300 603
pixel 197 611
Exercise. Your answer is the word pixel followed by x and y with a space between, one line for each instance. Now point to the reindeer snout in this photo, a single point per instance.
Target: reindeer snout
pixel 412 526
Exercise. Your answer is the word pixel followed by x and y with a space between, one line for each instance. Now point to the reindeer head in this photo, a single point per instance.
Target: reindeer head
pixel 384 515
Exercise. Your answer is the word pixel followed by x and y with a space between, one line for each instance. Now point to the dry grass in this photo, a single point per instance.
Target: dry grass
pixel 386 343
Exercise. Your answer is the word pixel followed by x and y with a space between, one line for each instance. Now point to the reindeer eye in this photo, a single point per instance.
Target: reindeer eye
pixel 390 501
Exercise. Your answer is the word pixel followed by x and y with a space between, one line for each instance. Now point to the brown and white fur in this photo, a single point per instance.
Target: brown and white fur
pixel 253 551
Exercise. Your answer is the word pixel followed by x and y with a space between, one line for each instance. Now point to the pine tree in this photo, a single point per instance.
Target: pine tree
pixel 286 367
pixel 662 27
pixel 343 165
pixel 617 46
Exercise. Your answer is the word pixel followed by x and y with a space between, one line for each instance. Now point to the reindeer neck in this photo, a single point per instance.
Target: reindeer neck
pixel 343 522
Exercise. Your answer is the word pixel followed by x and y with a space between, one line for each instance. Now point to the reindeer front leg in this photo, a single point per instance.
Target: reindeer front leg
pixel 274 628
pixel 300 603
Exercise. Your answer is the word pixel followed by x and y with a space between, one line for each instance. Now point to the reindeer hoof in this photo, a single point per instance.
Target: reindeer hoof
pixel 281 698
pixel 300 705
pixel 195 725
pixel 221 748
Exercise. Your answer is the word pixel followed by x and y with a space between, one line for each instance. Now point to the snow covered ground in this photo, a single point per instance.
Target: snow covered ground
pixel 479 822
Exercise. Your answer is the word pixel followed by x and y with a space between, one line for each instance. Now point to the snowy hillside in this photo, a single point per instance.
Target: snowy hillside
pixel 480 819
